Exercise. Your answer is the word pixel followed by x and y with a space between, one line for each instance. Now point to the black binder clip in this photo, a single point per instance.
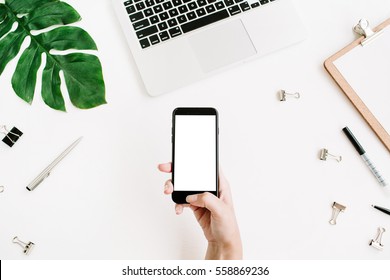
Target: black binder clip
pixel 11 136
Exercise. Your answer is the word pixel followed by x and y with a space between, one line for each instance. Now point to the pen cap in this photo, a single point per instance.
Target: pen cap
pixel 354 141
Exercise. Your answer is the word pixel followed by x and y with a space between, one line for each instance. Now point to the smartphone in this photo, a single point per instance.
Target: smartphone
pixel 194 152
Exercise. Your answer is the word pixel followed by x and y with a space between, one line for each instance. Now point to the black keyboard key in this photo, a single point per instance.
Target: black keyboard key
pixel 202 3
pixel 192 6
pixel 191 15
pixel 136 16
pixel 234 10
pixel 154 39
pixel 140 6
pixel 200 12
pixel 186 1
pixel 141 24
pixel 159 1
pixel 200 22
pixel 238 1
pixel 244 6
pixel 130 9
pixel 229 2
pixel 162 26
pixel 173 12
pixel 176 2
pixel 167 5
pixel 149 3
pixel 158 9
pixel 254 5
pixel 127 3
pixel 220 5
pixel 183 9
pixel 148 12
pixel 172 22
pixel 154 19
pixel 147 31
pixel 164 16
pixel 181 19
pixel 163 35
pixel 144 43
pixel 211 1
pixel 262 2
pixel 137 0
pixel 210 8
pixel 174 31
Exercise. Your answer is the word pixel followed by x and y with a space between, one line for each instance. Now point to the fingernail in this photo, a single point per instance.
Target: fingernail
pixel 166 187
pixel 191 198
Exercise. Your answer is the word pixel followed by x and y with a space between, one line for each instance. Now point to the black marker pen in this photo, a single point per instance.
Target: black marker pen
pixel 364 156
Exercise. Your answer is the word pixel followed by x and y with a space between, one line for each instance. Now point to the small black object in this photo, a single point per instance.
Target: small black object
pixel 354 141
pixel 12 136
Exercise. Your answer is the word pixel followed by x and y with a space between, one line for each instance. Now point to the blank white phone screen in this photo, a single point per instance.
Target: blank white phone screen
pixel 195 153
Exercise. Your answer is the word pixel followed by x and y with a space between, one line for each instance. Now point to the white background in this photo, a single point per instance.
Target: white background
pixel 195 153
pixel 105 200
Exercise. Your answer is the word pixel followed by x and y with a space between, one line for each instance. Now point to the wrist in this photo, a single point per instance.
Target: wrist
pixel 224 251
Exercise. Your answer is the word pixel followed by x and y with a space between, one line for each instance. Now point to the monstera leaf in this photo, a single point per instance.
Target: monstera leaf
pixel 82 72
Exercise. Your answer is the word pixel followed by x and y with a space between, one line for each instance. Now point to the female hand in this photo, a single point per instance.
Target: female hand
pixel 215 216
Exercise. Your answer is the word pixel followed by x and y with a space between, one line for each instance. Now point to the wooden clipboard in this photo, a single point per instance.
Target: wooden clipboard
pixel 353 96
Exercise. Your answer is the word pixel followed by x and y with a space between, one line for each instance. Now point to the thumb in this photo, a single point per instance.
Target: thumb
pixel 208 201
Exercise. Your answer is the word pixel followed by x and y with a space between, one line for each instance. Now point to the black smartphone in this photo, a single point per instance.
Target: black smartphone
pixel 194 152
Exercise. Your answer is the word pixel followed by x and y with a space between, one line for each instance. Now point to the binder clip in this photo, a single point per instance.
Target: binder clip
pixel 11 136
pixel 377 243
pixel 27 247
pixel 324 155
pixel 363 28
pixel 1 189
pixel 283 95
pixel 337 208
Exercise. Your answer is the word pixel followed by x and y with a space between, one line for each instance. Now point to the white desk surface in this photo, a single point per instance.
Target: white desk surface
pixel 105 200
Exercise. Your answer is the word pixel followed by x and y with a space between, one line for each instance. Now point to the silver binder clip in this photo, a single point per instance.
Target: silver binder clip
pixel 27 247
pixel 324 155
pixel 1 189
pixel 363 28
pixel 337 208
pixel 283 95
pixel 377 243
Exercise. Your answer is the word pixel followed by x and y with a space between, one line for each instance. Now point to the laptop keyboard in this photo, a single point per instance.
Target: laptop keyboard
pixel 156 21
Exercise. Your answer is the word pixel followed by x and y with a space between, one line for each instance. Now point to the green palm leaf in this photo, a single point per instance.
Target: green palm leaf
pixel 82 72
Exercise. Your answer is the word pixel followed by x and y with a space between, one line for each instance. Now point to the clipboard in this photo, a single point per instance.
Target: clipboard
pixel 366 55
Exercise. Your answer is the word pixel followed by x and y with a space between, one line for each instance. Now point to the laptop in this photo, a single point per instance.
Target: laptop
pixel 178 42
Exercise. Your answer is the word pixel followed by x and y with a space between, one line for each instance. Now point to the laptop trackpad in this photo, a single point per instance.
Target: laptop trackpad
pixel 223 45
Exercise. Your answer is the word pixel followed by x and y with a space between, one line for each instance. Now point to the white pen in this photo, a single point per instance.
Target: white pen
pixel 46 172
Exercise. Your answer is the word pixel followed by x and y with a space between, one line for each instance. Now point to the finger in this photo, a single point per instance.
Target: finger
pixel 168 187
pixel 165 167
pixel 206 200
pixel 179 208
pixel 224 188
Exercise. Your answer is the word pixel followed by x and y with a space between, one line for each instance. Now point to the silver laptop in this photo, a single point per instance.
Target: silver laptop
pixel 178 42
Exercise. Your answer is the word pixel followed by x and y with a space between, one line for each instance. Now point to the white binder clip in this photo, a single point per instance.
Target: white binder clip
pixel 283 95
pixel 377 243
pixel 363 28
pixel 27 247
pixel 324 155
pixel 337 208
